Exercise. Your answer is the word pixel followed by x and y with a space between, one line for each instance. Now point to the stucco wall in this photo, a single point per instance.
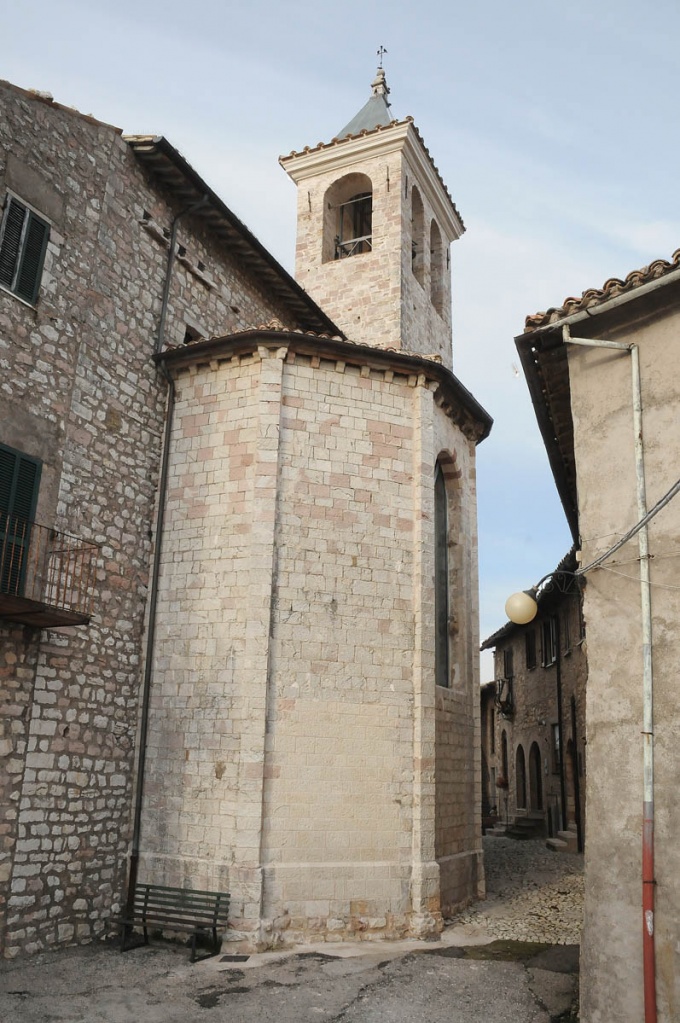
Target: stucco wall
pixel 611 976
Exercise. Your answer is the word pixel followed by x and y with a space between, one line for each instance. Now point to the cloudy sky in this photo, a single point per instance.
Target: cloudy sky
pixel 553 123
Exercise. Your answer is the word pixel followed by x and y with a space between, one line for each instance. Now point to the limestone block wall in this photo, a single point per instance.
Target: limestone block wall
pixel 292 741
pixel 375 296
pixel 79 392
pixel 424 329
pixel 457 767
pixel 361 293
pixel 611 977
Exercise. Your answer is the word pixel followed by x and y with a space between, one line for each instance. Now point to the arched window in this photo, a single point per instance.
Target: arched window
pixel 436 268
pixel 441 580
pixel 520 778
pixel 535 778
pixel 348 217
pixel 417 236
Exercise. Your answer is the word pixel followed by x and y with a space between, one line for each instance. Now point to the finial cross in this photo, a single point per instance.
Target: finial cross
pixel 381 53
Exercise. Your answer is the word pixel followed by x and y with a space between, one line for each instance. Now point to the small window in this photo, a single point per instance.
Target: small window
pixel 530 648
pixel 507 664
pixel 441 580
pixel 23 241
pixel 549 637
pixel 19 481
pixel 566 630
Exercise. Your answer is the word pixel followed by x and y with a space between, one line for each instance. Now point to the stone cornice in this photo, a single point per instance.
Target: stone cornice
pixel 398 137
pixel 450 394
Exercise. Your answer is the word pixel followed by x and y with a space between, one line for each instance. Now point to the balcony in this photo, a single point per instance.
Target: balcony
pixel 46 577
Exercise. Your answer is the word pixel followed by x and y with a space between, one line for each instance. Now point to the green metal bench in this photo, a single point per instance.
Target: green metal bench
pixel 187 910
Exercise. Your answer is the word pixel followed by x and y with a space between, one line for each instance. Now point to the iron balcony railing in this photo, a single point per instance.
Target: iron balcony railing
pixel 46 577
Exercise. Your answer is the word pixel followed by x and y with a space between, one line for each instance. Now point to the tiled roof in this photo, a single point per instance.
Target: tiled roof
pixel 337 141
pixel 454 397
pixel 610 289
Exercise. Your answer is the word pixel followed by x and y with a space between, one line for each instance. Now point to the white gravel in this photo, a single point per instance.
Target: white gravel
pixel 533 894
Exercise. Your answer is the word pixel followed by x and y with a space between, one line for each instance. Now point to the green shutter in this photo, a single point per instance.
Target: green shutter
pixel 11 241
pixel 22 250
pixel 32 259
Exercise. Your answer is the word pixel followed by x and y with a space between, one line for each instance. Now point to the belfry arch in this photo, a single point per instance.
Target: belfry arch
pixel 348 217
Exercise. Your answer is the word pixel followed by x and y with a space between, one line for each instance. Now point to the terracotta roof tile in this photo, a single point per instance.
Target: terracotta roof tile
pixel 374 131
pixel 610 289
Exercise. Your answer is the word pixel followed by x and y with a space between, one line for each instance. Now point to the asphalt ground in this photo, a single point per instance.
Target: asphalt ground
pixel 471 976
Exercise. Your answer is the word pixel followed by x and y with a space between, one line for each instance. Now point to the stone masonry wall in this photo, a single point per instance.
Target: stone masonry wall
pixel 374 296
pixel 458 813
pixel 535 714
pixel 284 755
pixel 80 392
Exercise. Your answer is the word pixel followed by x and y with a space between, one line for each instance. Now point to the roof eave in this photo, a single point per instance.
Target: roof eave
pixel 453 392
pixel 159 156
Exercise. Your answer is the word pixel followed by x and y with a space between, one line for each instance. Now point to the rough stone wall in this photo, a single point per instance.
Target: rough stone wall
pixel 80 393
pixel 535 713
pixel 611 976
pixel 361 293
pixel 374 296
pixel 307 631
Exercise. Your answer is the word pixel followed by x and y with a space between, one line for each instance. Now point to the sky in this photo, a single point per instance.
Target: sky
pixel 552 122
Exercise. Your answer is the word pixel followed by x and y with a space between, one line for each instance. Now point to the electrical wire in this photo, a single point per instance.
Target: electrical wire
pixel 636 578
pixel 661 503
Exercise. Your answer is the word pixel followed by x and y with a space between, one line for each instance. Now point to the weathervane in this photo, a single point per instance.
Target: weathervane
pixel 381 53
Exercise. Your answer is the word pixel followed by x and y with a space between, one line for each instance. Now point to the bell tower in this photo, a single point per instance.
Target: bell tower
pixel 375 225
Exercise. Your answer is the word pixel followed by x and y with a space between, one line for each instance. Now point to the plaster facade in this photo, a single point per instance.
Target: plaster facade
pixel 594 447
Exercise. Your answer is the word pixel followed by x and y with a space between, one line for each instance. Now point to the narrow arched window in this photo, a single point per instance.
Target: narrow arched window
pixel 520 778
pixel 441 580
pixel 436 268
pixel 417 236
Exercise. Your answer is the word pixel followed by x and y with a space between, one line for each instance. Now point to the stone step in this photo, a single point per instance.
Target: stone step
pixel 565 841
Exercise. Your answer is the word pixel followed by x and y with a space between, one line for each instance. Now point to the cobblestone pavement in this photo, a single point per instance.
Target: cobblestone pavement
pixel 533 894
pixel 467 977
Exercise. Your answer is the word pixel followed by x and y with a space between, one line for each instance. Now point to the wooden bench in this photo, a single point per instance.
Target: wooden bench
pixel 187 910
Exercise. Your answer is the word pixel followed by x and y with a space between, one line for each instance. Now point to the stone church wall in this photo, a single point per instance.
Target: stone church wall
pixel 79 392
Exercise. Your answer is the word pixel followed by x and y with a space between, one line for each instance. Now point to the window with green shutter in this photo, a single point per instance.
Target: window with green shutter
pixel 19 482
pixel 23 242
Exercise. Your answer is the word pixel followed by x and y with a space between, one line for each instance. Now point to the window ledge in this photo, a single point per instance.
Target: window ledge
pixel 200 275
pixel 155 230
pixel 29 305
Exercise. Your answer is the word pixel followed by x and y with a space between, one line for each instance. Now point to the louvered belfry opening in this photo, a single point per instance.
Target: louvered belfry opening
pixel 45 576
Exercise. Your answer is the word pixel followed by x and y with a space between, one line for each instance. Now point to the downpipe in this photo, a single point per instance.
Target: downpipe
pixel 133 869
pixel 648 881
